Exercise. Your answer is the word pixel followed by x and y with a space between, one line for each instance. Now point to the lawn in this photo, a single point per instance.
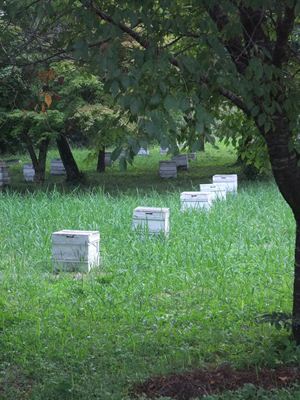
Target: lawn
pixel 155 305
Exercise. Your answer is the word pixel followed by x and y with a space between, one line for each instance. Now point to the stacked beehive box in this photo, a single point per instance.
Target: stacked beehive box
pixel 230 182
pixel 4 174
pixel 181 161
pixel 218 188
pixel 57 167
pixel 74 250
pixel 196 200
pixel 151 220
pixel 167 169
pixel 28 172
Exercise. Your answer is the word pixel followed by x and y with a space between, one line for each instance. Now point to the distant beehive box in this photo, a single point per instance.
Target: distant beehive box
pixel 163 150
pixel 4 174
pixel 57 167
pixel 74 250
pixel 143 152
pixel 182 161
pixel 155 221
pixel 218 188
pixel 230 181
pixel 196 200
pixel 28 172
pixel 192 156
pixel 167 169
pixel 107 159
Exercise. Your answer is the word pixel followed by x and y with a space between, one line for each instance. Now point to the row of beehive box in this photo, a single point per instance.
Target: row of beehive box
pixel 169 168
pixel 79 250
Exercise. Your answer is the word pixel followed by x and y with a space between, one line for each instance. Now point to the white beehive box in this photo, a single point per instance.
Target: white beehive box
pixel 167 169
pixel 74 250
pixel 4 174
pixel 231 181
pixel 163 150
pixel 182 161
pixel 218 188
pixel 28 172
pixel 143 152
pixel 196 200
pixel 57 167
pixel 107 159
pixel 152 220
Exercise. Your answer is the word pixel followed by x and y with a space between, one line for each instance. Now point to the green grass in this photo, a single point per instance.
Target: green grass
pixel 154 306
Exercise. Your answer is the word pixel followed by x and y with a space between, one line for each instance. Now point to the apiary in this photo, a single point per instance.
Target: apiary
pixel 167 169
pixel 181 161
pixel 28 172
pixel 152 220
pixel 57 167
pixel 74 250
pixel 231 181
pixel 218 188
pixel 196 200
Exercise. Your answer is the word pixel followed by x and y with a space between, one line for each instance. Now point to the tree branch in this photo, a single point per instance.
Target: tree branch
pixel 283 30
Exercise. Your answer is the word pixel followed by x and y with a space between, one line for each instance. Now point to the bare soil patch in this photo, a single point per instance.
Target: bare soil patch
pixel 203 382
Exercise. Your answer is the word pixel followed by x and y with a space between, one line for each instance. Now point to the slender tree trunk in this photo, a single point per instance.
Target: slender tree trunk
pixel 202 143
pixel 296 294
pixel 41 170
pixel 101 160
pixel 39 163
pixel 72 171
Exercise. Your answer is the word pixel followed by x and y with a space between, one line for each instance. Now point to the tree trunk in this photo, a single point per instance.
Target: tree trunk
pixel 72 171
pixel 296 294
pixel 202 143
pixel 101 160
pixel 39 163
pixel 284 162
pixel 41 168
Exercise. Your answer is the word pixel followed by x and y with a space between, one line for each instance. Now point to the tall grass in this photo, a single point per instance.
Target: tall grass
pixel 154 305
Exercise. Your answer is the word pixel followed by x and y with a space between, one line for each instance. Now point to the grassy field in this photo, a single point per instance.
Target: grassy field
pixel 154 306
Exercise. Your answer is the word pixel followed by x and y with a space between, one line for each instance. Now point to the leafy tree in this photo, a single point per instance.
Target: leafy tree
pixel 159 57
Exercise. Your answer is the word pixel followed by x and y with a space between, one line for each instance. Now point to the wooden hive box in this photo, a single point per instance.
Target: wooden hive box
pixel 196 200
pixel 231 181
pixel 181 161
pixel 153 220
pixel 218 188
pixel 167 169
pixel 28 172
pixel 57 167
pixel 74 250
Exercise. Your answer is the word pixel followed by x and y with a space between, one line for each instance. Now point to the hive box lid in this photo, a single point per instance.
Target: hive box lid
pixel 67 235
pixel 225 178
pixel 212 187
pixel 151 212
pixel 197 196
